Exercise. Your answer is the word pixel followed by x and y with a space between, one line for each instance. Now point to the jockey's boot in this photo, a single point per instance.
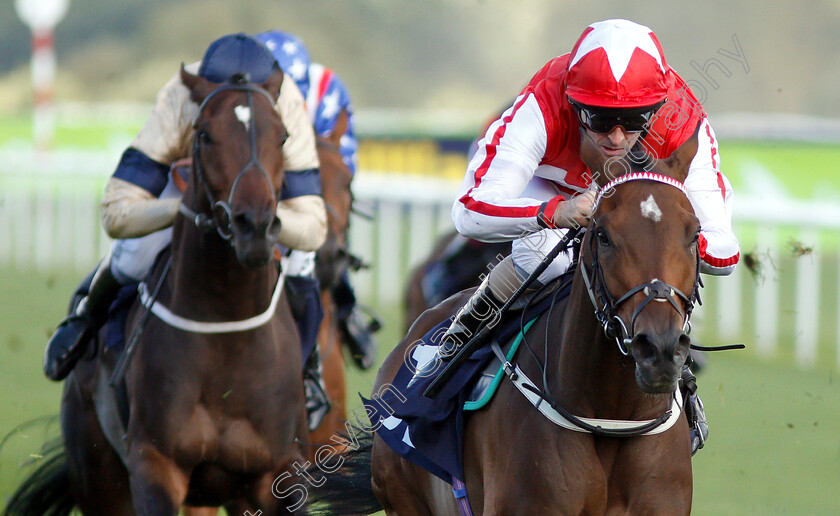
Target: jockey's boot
pixel 694 411
pixel 482 309
pixel 70 340
pixel 317 399
pixel 357 330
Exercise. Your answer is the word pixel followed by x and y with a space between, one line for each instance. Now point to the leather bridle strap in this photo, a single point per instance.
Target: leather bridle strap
pixel 205 222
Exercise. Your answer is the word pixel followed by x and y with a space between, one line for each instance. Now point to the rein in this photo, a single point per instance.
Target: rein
pixel 202 221
pixel 606 313
pixel 606 306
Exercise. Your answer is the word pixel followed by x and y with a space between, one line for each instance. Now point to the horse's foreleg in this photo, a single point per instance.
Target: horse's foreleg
pixel 158 486
pixel 283 492
pixel 97 476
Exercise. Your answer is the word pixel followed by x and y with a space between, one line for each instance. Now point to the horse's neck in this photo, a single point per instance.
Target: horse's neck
pixel 208 282
pixel 593 378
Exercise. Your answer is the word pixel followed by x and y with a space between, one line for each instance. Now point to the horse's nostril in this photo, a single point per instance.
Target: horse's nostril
pixel 643 348
pixel 244 223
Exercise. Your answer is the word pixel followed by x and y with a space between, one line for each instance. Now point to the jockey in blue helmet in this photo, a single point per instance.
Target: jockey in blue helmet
pixel 141 202
pixel 328 105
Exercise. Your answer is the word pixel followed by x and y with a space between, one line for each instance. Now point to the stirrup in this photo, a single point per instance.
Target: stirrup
pixel 698 428
pixel 694 411
pixel 317 400
pixel 66 346
pixel 358 335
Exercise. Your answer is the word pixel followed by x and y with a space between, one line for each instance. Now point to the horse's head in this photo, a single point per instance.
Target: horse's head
pixel 238 162
pixel 640 258
pixel 333 257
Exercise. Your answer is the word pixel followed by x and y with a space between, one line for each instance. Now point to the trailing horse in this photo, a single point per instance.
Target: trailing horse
pixel 211 410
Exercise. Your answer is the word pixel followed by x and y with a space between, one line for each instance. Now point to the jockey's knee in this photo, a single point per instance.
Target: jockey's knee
pixel 133 258
pixel 526 258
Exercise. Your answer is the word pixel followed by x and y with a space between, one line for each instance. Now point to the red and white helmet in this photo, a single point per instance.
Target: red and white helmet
pixel 617 64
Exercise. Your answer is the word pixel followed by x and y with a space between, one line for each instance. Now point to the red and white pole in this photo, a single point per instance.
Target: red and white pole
pixel 41 16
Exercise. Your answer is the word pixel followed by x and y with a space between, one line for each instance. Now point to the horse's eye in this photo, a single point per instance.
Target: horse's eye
pixel 204 137
pixel 602 238
pixel 696 237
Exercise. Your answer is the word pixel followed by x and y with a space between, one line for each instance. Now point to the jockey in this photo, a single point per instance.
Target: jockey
pixel 141 202
pixel 328 105
pixel 527 182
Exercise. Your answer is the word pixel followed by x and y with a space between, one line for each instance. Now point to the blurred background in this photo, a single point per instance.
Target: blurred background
pixel 424 78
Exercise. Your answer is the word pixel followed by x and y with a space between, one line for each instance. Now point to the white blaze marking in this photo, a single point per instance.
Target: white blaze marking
pixel 243 113
pixel 650 209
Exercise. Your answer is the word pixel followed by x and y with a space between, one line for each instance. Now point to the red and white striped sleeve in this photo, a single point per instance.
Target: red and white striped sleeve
pixel 490 206
pixel 710 194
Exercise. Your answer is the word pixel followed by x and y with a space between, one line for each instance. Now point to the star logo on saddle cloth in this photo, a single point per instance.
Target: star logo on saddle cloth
pixel 619 45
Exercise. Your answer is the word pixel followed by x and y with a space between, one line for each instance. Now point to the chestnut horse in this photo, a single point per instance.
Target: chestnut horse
pixel 214 391
pixel 331 261
pixel 611 373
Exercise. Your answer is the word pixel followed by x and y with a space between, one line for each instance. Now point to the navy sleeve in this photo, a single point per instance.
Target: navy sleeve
pixel 301 182
pixel 141 170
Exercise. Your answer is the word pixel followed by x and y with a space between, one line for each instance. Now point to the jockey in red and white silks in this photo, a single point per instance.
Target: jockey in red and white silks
pixel 528 162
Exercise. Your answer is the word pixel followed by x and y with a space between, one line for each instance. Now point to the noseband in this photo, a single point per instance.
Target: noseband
pixel 201 220
pixel 606 306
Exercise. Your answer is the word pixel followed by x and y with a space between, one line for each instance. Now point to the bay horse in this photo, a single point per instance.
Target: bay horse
pixel 215 402
pixel 609 355
pixel 332 259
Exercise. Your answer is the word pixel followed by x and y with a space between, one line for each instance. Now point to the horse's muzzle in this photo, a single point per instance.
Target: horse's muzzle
pixel 659 359
pixel 254 236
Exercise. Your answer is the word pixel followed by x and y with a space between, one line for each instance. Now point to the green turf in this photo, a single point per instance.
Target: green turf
pixel 775 431
pixel 18 129
pixel 803 170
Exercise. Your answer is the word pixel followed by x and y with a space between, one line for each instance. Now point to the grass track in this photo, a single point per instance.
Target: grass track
pixel 774 446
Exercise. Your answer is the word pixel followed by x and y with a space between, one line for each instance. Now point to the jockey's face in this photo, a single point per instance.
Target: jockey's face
pixel 616 142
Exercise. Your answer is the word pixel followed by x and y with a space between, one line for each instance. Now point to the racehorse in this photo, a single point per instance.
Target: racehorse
pixel 214 395
pixel 606 360
pixel 332 260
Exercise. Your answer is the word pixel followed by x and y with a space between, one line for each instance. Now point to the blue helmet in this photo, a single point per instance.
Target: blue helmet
pixel 291 54
pixel 237 54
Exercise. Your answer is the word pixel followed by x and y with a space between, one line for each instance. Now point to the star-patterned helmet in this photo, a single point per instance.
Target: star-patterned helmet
pixel 617 64
pixel 291 54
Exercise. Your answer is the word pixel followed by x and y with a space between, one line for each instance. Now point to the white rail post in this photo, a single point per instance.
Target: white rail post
pixel 807 301
pixel 767 293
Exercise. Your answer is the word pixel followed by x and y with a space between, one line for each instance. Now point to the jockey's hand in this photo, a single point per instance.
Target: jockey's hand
pixel 576 211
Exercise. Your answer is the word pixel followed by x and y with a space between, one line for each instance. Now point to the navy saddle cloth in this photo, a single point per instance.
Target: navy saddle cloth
pixel 430 432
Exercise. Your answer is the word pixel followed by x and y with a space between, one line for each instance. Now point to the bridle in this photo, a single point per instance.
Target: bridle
pixel 202 221
pixel 606 305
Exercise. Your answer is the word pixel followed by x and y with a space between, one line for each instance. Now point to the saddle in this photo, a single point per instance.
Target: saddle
pixel 429 432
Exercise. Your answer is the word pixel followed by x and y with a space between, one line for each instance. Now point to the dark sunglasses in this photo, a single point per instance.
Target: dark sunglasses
pixel 602 120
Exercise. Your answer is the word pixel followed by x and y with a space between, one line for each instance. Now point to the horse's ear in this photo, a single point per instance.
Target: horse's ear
pixel 679 160
pixel 199 86
pixel 273 83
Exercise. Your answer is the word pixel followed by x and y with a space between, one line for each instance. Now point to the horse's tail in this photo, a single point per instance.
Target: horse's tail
pixel 46 491
pixel 347 490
